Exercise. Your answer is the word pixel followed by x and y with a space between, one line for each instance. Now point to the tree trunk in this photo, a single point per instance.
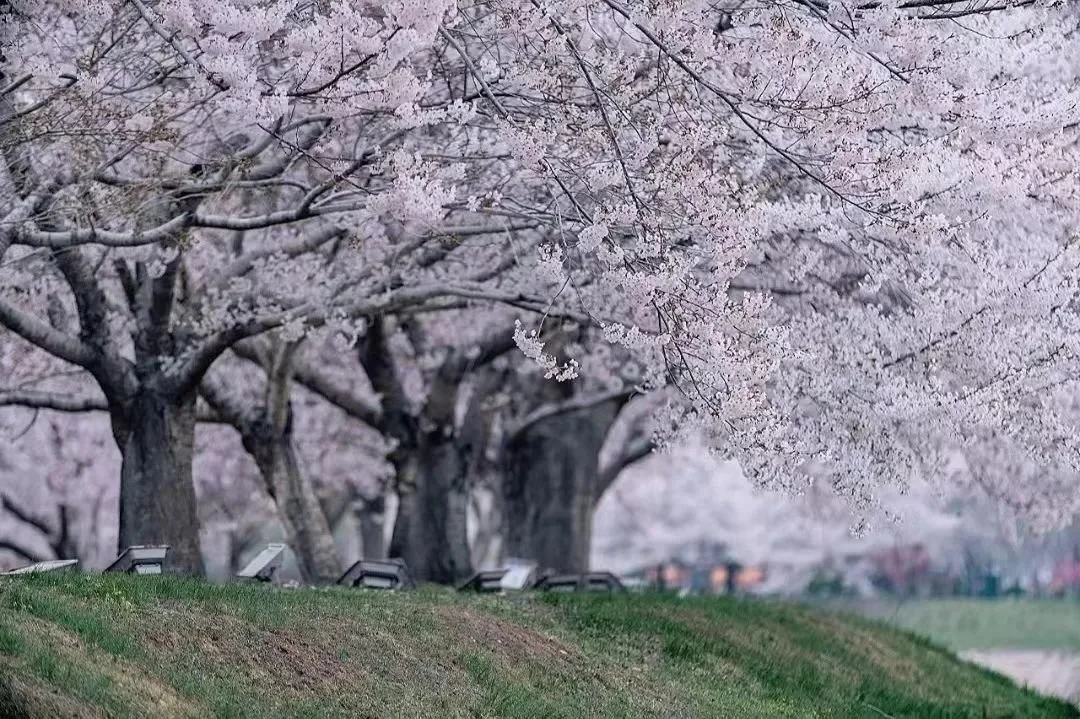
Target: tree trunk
pixel 431 463
pixel 306 530
pixel 157 493
pixel 406 482
pixel 267 435
pixel 430 533
pixel 371 520
pixel 550 473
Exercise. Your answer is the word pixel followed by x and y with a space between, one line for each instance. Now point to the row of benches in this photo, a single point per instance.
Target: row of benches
pixel 390 574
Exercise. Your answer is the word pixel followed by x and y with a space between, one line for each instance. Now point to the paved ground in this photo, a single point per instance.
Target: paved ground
pixel 1051 672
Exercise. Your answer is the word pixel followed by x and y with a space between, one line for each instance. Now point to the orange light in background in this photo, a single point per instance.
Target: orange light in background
pixel 718 578
pixel 672 575
pixel 749 576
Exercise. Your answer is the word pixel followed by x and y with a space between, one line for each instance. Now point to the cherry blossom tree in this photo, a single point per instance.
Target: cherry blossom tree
pixel 467 416
pixel 187 175
pixel 559 454
pixel 59 488
pixel 267 431
pixel 51 507
pixel 179 319
pixel 269 440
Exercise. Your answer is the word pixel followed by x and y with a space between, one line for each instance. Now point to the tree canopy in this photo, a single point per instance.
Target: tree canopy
pixel 840 237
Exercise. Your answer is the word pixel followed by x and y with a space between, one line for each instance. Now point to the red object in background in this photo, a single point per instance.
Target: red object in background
pixel 903 566
pixel 1066 575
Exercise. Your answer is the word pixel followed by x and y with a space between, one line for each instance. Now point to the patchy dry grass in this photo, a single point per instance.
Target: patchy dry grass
pixel 121 646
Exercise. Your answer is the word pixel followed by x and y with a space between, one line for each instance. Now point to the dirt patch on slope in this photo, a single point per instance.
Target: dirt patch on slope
pixel 294 662
pixel 517 649
pixel 513 644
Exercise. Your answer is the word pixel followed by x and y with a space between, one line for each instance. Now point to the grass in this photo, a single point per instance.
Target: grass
pixel 122 646
pixel 961 624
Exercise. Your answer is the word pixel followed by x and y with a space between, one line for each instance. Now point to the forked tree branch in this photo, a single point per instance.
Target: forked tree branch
pixel 73 404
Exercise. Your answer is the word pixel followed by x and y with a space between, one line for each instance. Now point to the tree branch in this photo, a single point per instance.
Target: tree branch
pixel 190 372
pixel 36 332
pixel 314 381
pixel 63 239
pixel 22 212
pixel 637 449
pixel 159 309
pixel 463 360
pixel 174 43
pixel 225 405
pixel 279 374
pixel 397 419
pixel 308 243
pixel 23 516
pixel 90 300
pixel 572 405
pixel 21 551
pixel 38 399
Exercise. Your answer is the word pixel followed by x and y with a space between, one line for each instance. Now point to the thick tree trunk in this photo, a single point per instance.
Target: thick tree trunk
pixel 306 530
pixel 157 493
pixel 431 462
pixel 549 485
pixel 443 504
pixel 430 533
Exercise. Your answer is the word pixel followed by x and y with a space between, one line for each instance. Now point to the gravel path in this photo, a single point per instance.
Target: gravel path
pixel 1053 673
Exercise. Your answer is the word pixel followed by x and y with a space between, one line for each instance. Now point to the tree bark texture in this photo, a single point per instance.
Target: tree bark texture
pixel 267 434
pixel 430 533
pixel 431 463
pixel 157 495
pixel 549 486
pixel 306 530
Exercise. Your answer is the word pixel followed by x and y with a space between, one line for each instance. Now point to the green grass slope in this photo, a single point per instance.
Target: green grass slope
pixel 122 646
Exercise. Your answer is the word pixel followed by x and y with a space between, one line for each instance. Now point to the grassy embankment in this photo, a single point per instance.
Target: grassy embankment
pixel 94 645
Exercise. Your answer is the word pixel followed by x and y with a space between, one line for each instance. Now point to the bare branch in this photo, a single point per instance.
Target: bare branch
pixel 572 405
pixel 225 405
pixel 39 399
pixel 33 330
pixel 279 374
pixel 270 219
pixel 57 402
pixel 23 516
pixel 314 381
pixel 90 299
pixel 17 549
pixel 633 451
pixel 214 78
pixel 63 239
